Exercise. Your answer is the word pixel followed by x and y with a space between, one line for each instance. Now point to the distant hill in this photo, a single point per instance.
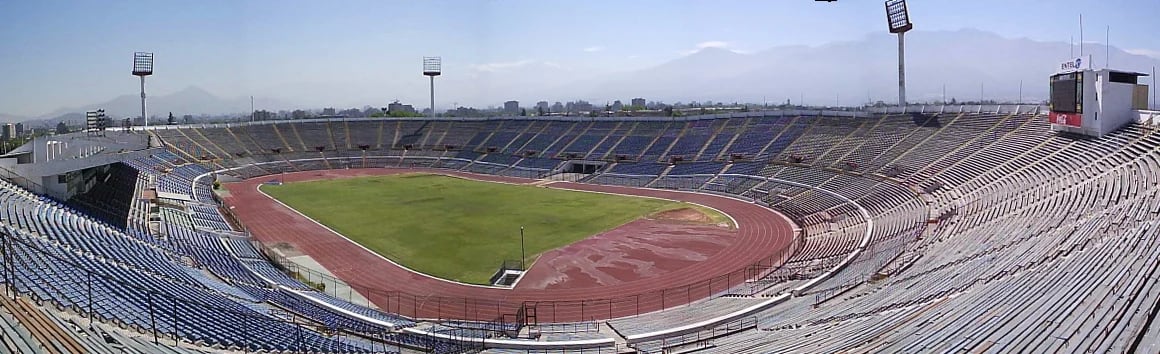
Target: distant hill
pixel 191 100
pixel 11 118
pixel 850 71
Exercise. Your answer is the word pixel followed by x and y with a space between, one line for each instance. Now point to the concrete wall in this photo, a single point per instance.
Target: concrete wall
pixel 1115 105
pixel 53 188
pixel 1091 102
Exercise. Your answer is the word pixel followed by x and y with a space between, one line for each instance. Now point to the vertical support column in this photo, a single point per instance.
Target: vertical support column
pixel 901 69
pixel 143 114
pixel 152 318
pixel 89 290
pixel 176 336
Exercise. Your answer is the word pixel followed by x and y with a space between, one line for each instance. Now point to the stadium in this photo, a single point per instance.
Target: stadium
pixel 794 229
pixel 875 231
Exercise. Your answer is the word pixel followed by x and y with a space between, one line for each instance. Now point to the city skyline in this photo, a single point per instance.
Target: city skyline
pixel 68 54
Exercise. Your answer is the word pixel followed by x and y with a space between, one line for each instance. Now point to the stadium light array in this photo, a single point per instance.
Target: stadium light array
pixel 432 67
pixel 898 19
pixel 897 16
pixel 142 67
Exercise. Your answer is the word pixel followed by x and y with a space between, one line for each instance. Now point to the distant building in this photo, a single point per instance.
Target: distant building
pixel 639 102
pixel 261 115
pixel 353 113
pixel 511 107
pixel 20 129
pixel 580 106
pixel 542 106
pixel 396 107
pixel 557 107
pixel 617 106
pixel 464 112
pixel 328 111
pixel 9 132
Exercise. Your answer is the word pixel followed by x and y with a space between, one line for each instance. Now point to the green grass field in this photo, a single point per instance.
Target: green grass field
pixel 455 228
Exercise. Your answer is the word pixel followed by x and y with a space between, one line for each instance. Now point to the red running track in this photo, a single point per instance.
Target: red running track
pixel 763 237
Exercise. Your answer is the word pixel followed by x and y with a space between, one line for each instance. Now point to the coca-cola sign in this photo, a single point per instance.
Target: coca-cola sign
pixel 1068 119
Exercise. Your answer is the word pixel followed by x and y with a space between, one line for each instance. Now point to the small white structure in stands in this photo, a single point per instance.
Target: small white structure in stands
pixel 1144 116
pixel 65 165
pixel 1094 102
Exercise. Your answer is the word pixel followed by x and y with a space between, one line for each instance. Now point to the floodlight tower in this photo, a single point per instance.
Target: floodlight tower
pixel 899 21
pixel 432 67
pixel 142 67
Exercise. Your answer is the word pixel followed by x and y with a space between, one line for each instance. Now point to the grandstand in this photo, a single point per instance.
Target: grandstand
pixel 922 229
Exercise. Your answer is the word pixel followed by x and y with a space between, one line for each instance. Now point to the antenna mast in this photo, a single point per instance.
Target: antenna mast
pixel 1081 35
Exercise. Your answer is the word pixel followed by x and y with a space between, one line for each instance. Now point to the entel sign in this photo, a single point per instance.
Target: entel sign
pixel 1071 65
pixel 1068 119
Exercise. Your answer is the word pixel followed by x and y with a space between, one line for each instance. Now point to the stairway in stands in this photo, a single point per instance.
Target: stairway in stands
pixel 212 144
pixel 294 130
pixel 763 152
pixel 737 134
pixel 282 138
pixel 239 140
pixel 201 147
pixel 664 154
pixel 709 142
pixel 659 177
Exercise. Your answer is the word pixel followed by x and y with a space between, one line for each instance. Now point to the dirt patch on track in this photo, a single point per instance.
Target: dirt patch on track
pixel 642 249
pixel 285 249
pixel 683 215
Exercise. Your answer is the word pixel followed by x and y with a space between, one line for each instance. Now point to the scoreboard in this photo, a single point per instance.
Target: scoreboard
pixel 1090 101
pixel 1067 92
pixel 1066 104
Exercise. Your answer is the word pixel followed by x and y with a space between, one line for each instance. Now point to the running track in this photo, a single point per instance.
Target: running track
pixel 761 234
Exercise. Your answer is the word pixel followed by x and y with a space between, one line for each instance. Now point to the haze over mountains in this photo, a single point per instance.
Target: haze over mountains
pixel 191 100
pixel 850 73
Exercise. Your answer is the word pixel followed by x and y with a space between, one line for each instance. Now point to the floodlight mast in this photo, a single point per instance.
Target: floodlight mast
pixel 432 67
pixel 898 19
pixel 142 67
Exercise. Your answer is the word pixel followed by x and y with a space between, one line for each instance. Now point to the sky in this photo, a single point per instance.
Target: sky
pixel 56 54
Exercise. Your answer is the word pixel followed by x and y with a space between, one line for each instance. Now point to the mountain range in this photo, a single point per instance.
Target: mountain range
pixel 191 100
pixel 967 64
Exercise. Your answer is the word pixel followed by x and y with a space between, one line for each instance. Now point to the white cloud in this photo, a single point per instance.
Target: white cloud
pixel 1145 52
pixel 593 49
pixel 714 44
pixel 552 64
pixel 633 56
pixel 498 66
